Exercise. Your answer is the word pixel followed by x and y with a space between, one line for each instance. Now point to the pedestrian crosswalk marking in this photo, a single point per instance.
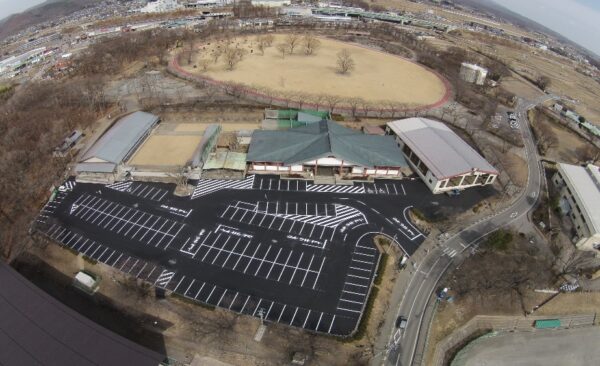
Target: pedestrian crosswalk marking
pixel 120 186
pixel 208 186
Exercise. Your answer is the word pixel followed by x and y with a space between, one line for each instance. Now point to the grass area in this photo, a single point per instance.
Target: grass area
pixel 91 261
pixel 375 77
pixel 381 269
pixel 5 88
pixel 361 331
pixel 190 301
pixel 499 240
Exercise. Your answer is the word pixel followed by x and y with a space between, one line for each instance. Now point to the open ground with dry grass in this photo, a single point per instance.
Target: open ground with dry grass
pixel 173 150
pixel 532 63
pixel 377 76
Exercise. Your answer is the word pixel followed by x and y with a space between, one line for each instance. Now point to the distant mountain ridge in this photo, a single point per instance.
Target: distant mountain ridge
pixel 48 10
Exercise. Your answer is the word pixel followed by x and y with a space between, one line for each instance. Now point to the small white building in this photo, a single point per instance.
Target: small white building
pixel 271 3
pixel 472 73
pixel 160 6
pixel 580 200
pixel 444 161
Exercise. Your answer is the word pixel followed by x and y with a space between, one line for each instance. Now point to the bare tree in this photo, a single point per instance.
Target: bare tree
pixel 233 56
pixel 354 104
pixel 282 48
pixel 317 100
pixel 291 41
pixel 216 54
pixel 587 153
pixel 392 107
pixel 365 106
pixel 543 82
pixel 301 98
pixel 311 44
pixel 269 38
pixel 345 62
pixel 260 45
pixel 332 101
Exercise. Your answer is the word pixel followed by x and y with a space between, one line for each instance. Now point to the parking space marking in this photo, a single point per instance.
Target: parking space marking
pixel 91 210
pixel 300 268
pixel 215 245
pixel 273 216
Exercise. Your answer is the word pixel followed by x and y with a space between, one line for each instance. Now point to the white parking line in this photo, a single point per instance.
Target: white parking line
pixel 294 317
pixel 280 314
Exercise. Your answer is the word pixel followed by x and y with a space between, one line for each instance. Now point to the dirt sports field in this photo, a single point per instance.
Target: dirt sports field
pixel 169 150
pixel 377 76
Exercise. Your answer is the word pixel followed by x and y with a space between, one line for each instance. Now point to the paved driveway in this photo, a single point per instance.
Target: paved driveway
pixel 573 347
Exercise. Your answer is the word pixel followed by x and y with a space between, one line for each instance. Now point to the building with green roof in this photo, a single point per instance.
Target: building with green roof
pixel 281 119
pixel 325 148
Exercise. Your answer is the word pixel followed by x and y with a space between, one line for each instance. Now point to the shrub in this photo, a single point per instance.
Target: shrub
pixel 499 240
pixel 381 268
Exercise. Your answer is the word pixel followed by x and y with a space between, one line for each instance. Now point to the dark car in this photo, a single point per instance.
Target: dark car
pixel 401 322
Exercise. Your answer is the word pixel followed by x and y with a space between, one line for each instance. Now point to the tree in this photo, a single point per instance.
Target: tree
pixel 587 153
pixel 543 82
pixel 216 54
pixel 204 64
pixel 311 44
pixel 260 45
pixel 345 62
pixel 291 41
pixel 282 48
pixel 233 56
pixel 264 42
pixel 332 101
pixel 269 40
pixel 354 103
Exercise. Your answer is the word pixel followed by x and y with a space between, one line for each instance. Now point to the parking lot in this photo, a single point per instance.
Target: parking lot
pixel 294 256
pixel 274 183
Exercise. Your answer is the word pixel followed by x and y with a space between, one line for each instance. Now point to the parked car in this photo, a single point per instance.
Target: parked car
pixel 402 263
pixel 401 322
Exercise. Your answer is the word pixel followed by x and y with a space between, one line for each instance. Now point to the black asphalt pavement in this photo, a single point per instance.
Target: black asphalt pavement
pixel 298 254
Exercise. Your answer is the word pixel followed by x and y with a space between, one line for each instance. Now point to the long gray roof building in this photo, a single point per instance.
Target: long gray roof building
pixel 322 139
pixel 118 143
pixel 36 329
pixel 441 149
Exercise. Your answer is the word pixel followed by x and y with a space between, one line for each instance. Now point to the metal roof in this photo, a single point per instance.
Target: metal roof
pixel 116 143
pixel 205 145
pixel 36 329
pixel 322 139
pixel 442 150
pixel 95 167
pixel 585 184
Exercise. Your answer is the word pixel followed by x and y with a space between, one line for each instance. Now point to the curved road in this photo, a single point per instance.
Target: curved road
pixel 406 348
